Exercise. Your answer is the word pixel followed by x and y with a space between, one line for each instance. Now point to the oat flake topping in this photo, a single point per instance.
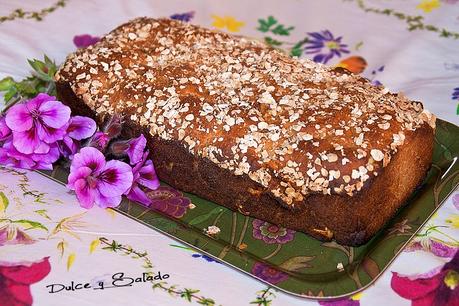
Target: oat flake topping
pixel 293 126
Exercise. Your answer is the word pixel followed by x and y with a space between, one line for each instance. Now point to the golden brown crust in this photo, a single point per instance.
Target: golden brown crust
pixel 249 121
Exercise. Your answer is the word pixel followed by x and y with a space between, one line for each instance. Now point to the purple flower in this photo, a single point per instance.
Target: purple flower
pixel 169 201
pixel 456 201
pixel 271 233
pixel 5 131
pixel 78 128
pixel 268 273
pixel 133 148
pixel 9 156
pixel 112 129
pixel 99 141
pixel 37 123
pixel 97 181
pixel 144 174
pixel 203 256
pixel 436 246
pixel 325 46
pixel 455 94
pixel 85 40
pixel 183 17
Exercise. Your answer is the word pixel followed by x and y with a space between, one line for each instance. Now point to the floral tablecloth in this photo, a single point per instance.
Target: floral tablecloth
pixel 52 252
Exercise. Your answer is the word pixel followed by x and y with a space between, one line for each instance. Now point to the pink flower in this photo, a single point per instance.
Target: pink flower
pixel 144 174
pixel 437 287
pixel 112 129
pixel 85 40
pixel 5 131
pixel 9 156
pixel 133 148
pixel 136 148
pixel 78 128
pixel 15 281
pixel 97 181
pixel 37 123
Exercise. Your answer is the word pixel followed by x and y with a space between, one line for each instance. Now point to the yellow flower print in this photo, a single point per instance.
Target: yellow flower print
pixel 357 296
pixel 428 5
pixel 227 22
pixel 453 220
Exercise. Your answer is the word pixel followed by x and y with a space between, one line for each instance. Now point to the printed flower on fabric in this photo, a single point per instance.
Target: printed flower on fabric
pixel 227 22
pixel 433 245
pixel 96 181
pixel 355 64
pixel 352 301
pixel 85 40
pixel 268 273
pixel 271 233
pixel 169 201
pixel 186 17
pixel 455 96
pixel 428 5
pixel 439 286
pixel 11 234
pixel 325 46
pixel 15 281
pixel 456 201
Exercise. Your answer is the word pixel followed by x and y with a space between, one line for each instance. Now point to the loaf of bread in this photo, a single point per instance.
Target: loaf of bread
pixel 305 146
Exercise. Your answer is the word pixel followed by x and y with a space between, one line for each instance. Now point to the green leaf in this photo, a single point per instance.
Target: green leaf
pixel 27 224
pixel 6 83
pixel 296 51
pixel 281 30
pixel 43 213
pixel 297 263
pixel 272 42
pixel 202 218
pixel 10 93
pixel 206 301
pixel 3 202
pixel 265 25
pixel 37 65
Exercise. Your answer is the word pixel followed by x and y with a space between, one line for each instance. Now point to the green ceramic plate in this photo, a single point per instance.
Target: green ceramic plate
pixel 292 261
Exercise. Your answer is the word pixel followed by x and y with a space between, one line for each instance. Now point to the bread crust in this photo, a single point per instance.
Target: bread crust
pixel 339 187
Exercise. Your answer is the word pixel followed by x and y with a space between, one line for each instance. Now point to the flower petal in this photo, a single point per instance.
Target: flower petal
pixel 136 148
pixel 49 134
pixel 54 114
pixel 80 173
pixel 414 288
pixel 104 202
pixel 26 142
pixel 27 274
pixel 81 127
pixel 147 176
pixel 115 179
pixel 88 157
pixel 5 131
pixel 138 195
pixel 18 118
pixel 85 194
pixel 50 157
